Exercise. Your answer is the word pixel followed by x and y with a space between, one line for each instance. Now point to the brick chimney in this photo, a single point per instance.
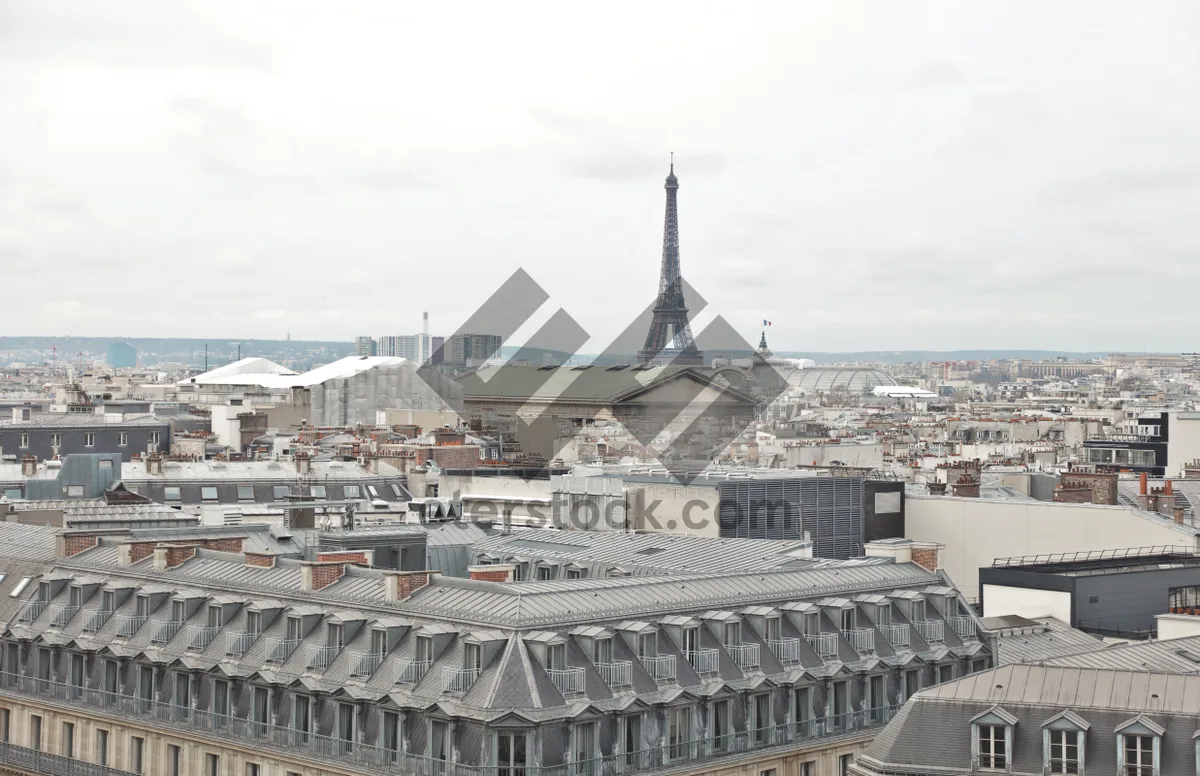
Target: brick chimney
pixel 28 465
pixel 1142 484
pixel 357 557
pixel 315 575
pixel 937 488
pixel 168 556
pixel 402 584
pixel 154 464
pixel 495 572
pixel 264 560
pixel 68 545
pixel 303 464
pixel 966 486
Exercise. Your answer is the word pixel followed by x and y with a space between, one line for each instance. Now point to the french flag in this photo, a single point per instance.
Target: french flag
pixel 766 322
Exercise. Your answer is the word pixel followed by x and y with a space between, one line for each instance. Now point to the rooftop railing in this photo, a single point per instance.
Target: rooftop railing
pixel 129 624
pixel 569 681
pixel 896 635
pixel 660 667
pixel 200 636
pixel 862 639
pixel 364 664
pixel 703 661
pixel 458 680
pixel 237 643
pixel 95 620
pixel 964 626
pixel 785 650
pixel 279 650
pixel 619 674
pixel 411 671
pixel 321 657
pixel 61 614
pixel 932 631
pixel 293 742
pixel 32 611
pixel 745 655
pixel 166 631
pixel 824 644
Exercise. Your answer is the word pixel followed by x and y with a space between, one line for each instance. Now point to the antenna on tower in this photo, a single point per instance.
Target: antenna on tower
pixel 672 161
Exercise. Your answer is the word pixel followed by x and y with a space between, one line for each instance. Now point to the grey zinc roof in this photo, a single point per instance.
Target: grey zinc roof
pixel 1021 640
pixel 27 542
pixel 80 419
pixel 1180 656
pixel 649 553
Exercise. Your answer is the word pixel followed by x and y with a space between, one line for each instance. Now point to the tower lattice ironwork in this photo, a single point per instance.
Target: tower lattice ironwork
pixel 669 340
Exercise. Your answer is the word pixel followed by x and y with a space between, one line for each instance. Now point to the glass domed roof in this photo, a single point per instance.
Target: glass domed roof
pixel 822 379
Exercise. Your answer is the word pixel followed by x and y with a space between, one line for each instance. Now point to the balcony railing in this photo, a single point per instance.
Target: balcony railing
pixel 364 664
pixel 964 626
pixel 166 631
pixel 458 679
pixel 619 674
pixel 745 655
pixel 785 650
pixel 279 650
pixel 896 635
pixel 291 742
pixel 660 667
pixel 824 644
pixel 861 639
pixel 933 631
pixel 569 681
pixel 200 636
pixel 703 661
pixel 33 611
pixel 411 671
pixel 129 624
pixel 95 620
pixel 61 614
pixel 237 643
pixel 321 657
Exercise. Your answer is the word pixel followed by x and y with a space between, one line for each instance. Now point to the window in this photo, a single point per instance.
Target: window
pixel 74 491
pixel 252 769
pixel 351 491
pixel 772 630
pixel 89 439
pixel 20 588
pixel 978 665
pixel 254 622
pixel 143 605
pixel 396 490
pixel 56 440
pixel 208 493
pixel 5 725
pixel 691 643
pixel 259 709
pixel 767 772
pixel 1183 600
pixel 102 747
pixel 35 732
pixel 245 492
pixel 137 747
pixel 1064 751
pixel 876 702
pixel 510 754
pixel 809 768
pixel 545 572
pixel 761 708
pixel 647 645
pixel 173 759
pixel 424 649
pixel 586 748
pixel 883 614
pixel 110 681
pixel 68 740
pixel 679 726
pixel 212 764
pixel 733 634
pixel 602 651
pixel 438 741
pixel 281 492
pixel 372 492
pixel 24 440
pixel 993 746
pixel 945 673
pixel 177 611
pixel 1138 757
pixel 171 493
pixel 472 657
pixel 841 697
pixel 345 726
pixel 108 600
pixel 391 734
pixel 302 718
pixel 216 616
pixel 293 628
pixel 155 437
pixel 122 438
pixel 803 711
pixel 334 637
pixel 318 491
pixel 183 690
pixel 847 620
pixel 912 682
pixel 844 763
pixel 379 642
pixel 556 657
pixel 573 574
pixel 720 726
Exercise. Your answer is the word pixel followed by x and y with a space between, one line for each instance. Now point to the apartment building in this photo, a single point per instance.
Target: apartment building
pixel 174 657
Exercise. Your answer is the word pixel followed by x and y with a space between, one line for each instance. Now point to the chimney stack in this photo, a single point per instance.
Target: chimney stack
pixel 154 464
pixel 1168 489
pixel 303 464
pixel 28 465
pixel 1142 484
pixel 168 556
pixel 318 576
pixel 492 572
pixel 402 584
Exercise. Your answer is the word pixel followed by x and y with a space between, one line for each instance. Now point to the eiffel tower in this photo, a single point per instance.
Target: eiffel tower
pixel 669 340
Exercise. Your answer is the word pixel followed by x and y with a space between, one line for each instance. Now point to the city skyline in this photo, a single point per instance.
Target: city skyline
pixel 987 181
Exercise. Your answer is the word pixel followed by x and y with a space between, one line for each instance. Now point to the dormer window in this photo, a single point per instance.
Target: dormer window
pixel 75 596
pixel 602 651
pixel 335 635
pixel 143 605
pixel 108 601
pixel 177 610
pixel 545 573
pixel 918 610
pixel 847 619
pixel 772 629
pixel 1139 747
pixel 883 614
pixel 1063 742
pixel 733 633
pixel 43 591
pixel 293 628
pixel 379 645
pixel 647 646
pixel 424 649
pixel 472 657
pixel 556 657
pixel 691 640
pixel 992 739
pixel 215 616
pixel 254 622
pixel 812 624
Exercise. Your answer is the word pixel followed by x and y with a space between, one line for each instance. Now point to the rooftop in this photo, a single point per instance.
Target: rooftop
pixel 80 420
pixel 267 374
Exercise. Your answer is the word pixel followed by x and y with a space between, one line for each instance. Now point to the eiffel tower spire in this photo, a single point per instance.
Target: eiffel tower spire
pixel 669 340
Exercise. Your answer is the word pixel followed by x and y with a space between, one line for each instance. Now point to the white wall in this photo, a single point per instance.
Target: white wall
pixel 1177 626
pixel 977 531
pixel 999 600
pixel 1183 445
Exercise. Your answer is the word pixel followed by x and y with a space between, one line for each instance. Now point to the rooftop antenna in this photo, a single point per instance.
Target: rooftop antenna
pixel 672 161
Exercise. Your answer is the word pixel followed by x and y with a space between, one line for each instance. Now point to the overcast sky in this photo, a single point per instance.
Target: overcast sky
pixel 882 175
